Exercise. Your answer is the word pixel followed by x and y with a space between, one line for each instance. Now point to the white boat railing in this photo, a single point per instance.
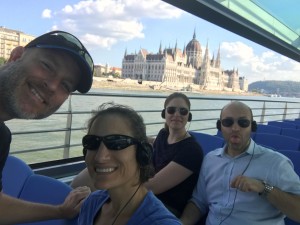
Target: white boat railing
pixel 30 141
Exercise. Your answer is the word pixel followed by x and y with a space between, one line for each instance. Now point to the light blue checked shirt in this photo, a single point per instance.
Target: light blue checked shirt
pixel 235 207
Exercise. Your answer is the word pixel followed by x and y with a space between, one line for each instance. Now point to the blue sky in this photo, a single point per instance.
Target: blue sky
pixel 109 27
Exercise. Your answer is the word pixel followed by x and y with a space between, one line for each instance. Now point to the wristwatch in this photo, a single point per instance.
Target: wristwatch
pixel 268 188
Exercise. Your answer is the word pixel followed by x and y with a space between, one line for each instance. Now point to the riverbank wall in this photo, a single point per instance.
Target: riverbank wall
pixel 129 84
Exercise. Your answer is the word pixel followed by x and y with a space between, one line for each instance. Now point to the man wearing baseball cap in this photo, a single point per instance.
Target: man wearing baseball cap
pixel 33 84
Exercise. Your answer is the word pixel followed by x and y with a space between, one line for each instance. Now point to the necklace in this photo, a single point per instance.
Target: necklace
pixel 125 205
pixel 181 138
pixel 184 136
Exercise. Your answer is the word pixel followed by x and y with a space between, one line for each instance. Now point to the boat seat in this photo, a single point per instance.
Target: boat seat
pixel 290 132
pixel 282 124
pixel 15 174
pixel 21 182
pixel 207 142
pixel 44 189
pixel 290 222
pixel 219 134
pixel 262 128
pixel 277 142
pixel 296 122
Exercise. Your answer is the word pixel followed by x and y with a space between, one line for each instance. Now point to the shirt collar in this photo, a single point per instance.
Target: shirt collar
pixel 249 151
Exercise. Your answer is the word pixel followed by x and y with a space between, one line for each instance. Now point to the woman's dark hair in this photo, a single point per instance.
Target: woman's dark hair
pixel 137 127
pixel 176 95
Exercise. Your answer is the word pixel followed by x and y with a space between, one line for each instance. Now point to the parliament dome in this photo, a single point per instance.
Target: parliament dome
pixel 193 45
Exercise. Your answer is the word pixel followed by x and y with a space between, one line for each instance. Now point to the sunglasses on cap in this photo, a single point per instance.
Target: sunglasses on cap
pixel 113 142
pixel 228 122
pixel 182 111
pixel 81 49
pixel 64 41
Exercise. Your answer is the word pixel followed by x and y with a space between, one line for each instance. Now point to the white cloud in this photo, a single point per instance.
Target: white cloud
pixel 46 13
pixel 102 24
pixel 267 65
pixel 105 42
pixel 156 9
pixel 108 22
pixel 237 50
pixel 67 9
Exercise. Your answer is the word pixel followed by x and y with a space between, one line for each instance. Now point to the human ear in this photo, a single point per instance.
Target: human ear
pixel 16 53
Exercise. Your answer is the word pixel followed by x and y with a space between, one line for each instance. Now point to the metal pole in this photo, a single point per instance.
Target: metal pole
pixel 69 130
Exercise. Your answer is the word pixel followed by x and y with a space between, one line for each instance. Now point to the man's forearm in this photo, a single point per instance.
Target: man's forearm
pixel 14 211
pixel 287 203
pixel 191 214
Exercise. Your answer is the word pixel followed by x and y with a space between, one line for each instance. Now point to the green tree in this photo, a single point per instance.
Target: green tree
pixel 283 88
pixel 2 61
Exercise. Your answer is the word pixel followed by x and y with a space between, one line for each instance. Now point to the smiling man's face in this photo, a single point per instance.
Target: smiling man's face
pixel 38 83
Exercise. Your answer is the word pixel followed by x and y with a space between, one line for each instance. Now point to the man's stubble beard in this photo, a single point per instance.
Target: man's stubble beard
pixel 12 79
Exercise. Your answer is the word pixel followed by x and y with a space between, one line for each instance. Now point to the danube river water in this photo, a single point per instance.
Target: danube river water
pixel 149 103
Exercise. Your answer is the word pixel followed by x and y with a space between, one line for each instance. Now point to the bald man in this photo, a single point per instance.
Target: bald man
pixel 243 182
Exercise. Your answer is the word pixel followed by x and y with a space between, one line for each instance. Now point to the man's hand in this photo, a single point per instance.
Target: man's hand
pixel 72 204
pixel 247 184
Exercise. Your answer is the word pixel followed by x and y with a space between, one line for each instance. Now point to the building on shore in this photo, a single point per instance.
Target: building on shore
pixel 9 39
pixel 186 69
pixel 104 70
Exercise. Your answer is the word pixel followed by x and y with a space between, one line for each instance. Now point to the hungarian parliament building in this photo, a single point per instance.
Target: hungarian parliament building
pixel 187 68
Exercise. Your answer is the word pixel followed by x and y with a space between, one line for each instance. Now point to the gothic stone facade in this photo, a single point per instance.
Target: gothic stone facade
pixel 174 67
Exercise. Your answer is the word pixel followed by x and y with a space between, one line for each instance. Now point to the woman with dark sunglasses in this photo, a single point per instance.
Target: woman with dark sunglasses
pixel 119 162
pixel 177 156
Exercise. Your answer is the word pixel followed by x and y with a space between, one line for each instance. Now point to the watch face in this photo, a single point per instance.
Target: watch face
pixel 268 188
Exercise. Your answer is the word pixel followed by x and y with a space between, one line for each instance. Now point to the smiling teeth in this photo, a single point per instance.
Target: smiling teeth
pixel 36 94
pixel 105 170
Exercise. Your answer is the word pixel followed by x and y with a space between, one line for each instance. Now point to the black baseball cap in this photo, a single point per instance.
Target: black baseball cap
pixel 69 43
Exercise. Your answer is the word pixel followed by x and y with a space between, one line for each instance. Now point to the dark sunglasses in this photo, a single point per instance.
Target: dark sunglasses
pixel 241 122
pixel 66 41
pixel 113 142
pixel 182 111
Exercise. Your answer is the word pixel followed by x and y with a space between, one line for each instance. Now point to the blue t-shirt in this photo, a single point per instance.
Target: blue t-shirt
pixel 5 139
pixel 150 212
pixel 213 191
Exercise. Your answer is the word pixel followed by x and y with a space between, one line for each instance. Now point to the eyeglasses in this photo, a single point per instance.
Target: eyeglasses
pixel 241 122
pixel 66 41
pixel 113 142
pixel 182 111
